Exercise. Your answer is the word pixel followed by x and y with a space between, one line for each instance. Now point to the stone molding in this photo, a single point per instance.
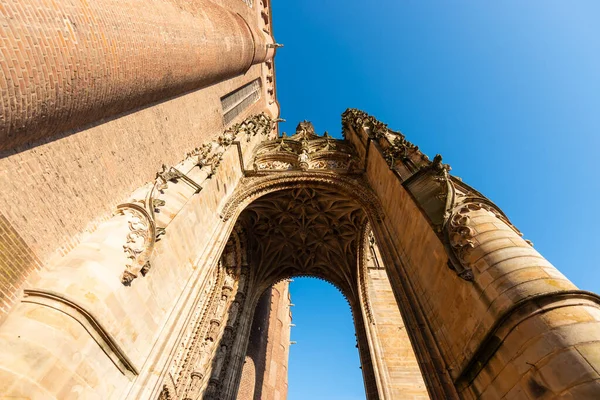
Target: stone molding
pixel 89 322
pixel 513 317
pixel 252 188
pixel 305 150
pixel 210 333
pixel 363 250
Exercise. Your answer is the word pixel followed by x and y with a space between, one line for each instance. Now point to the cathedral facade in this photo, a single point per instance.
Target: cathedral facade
pixel 152 215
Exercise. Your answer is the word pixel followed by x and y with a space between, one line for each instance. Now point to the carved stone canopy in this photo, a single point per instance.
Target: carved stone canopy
pixel 305 231
pixel 305 150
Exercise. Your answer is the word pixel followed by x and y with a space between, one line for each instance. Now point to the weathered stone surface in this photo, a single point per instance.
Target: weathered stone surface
pixel 147 256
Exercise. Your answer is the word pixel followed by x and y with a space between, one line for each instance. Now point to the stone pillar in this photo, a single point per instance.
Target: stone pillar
pixel 545 338
pixel 70 63
pixel 489 317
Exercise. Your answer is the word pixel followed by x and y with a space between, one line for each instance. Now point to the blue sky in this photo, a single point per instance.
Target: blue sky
pixel 508 92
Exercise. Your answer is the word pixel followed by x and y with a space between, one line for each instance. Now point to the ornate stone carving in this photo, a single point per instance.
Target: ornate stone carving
pixel 304 231
pixel 233 313
pixel 303 160
pixel 143 230
pixel 460 237
pixel 305 150
pixel 393 143
pixel 200 154
pixel 168 174
pixel 275 164
pixel 219 360
pixel 194 350
pixel 140 240
pixel 330 164
pixel 461 201
pixel 255 187
pixel 206 344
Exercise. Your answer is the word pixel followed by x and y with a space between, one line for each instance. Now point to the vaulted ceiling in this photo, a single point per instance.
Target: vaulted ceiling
pixel 305 231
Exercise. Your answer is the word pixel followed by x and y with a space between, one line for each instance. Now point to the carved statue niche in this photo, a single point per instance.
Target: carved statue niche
pixel 219 360
pixel 229 256
pixel 303 160
pixel 233 312
pixel 229 280
pixel 213 331
pixel 204 356
pixel 221 307
pixel 242 282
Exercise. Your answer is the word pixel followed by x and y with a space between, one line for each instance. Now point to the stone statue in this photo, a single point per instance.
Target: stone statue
pixel 221 307
pixel 233 311
pixel 303 159
pixel 219 360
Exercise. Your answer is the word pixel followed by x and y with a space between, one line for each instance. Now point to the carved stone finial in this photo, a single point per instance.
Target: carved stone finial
pixel 305 129
pixel 127 278
pixel 437 166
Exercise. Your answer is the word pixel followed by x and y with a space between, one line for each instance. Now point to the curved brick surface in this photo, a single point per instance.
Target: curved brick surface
pixel 65 65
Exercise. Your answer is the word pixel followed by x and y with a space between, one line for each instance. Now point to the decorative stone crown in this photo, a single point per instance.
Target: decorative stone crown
pixel 305 150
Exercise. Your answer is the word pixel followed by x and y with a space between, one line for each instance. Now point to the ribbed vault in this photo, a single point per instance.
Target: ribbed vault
pixel 305 231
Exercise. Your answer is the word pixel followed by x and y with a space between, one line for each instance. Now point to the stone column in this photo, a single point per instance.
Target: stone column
pixel 71 63
pixel 489 317
pixel 543 334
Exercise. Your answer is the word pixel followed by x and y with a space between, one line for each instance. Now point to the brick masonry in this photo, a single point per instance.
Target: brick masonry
pixel 57 192
pixel 264 375
pixel 16 260
pixel 67 64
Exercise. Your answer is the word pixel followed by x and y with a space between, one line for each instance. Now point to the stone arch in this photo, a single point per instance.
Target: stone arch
pixel 253 188
pixel 369 378
pixel 256 191
pixel 474 296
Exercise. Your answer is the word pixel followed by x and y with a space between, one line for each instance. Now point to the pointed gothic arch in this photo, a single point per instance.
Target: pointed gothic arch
pixel 475 301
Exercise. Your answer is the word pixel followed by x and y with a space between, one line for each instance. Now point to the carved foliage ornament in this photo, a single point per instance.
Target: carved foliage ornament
pixel 140 240
pixel 305 150
pixel 143 232
pixel 460 199
pixel 396 149
pixel 458 233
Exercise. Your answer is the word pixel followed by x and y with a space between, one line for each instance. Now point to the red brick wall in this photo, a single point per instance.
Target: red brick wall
pixel 265 373
pixel 55 192
pixel 16 260
pixel 255 360
pixel 65 64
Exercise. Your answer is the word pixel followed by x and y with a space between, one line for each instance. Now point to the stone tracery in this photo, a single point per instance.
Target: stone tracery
pixel 305 231
pixel 305 150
